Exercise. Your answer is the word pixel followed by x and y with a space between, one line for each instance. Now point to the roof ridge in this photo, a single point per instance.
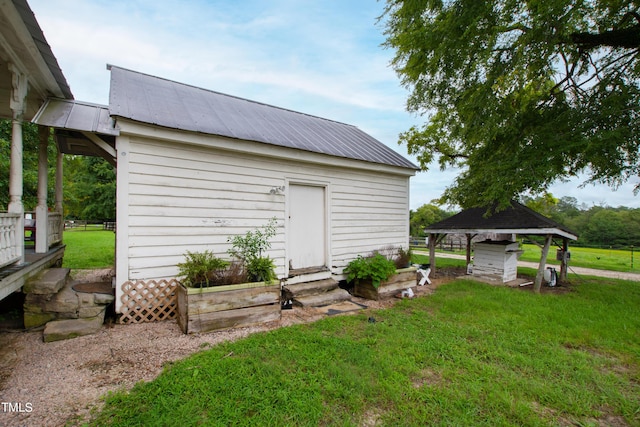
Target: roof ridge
pixel 110 66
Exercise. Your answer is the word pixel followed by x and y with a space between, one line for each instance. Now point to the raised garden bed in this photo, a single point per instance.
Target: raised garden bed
pixel 229 306
pixel 403 279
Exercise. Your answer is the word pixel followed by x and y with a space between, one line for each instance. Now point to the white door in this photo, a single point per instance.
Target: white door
pixel 307 226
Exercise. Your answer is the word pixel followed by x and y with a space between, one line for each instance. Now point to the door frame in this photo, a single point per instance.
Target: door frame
pixel 327 216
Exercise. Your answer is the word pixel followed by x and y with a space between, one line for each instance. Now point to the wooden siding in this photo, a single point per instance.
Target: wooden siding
pixel 187 197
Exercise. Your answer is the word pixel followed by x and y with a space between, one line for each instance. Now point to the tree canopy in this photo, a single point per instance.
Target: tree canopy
pixel 519 94
pixel 89 182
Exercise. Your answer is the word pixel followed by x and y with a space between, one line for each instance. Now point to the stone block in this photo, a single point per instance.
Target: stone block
pixel 103 299
pixel 71 328
pixel 85 299
pixel 90 311
pixel 49 281
pixel 33 320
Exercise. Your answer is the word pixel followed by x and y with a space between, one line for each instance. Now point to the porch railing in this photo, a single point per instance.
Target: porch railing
pixel 54 228
pixel 10 240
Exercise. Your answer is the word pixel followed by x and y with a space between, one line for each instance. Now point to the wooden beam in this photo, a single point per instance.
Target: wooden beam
pixel 469 239
pixel 543 262
pixel 564 264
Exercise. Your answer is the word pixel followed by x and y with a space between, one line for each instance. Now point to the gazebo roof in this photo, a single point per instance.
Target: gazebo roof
pixel 515 219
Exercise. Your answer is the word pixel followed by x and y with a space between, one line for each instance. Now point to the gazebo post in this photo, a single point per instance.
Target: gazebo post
pixel 432 251
pixel 469 239
pixel 543 262
pixel 564 263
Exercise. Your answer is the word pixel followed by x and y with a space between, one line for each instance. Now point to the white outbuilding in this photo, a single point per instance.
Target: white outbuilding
pixel 195 167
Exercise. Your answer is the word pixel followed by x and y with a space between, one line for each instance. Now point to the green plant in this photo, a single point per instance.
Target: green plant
pixel 261 269
pixel 402 258
pixel 248 248
pixel 201 269
pixel 375 268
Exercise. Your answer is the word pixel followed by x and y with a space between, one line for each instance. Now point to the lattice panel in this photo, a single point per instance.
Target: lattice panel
pixel 149 301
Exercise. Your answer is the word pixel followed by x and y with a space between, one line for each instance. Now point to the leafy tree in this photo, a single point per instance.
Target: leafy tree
pixel 89 182
pixel 95 189
pixel 424 216
pixel 520 93
pixel 30 154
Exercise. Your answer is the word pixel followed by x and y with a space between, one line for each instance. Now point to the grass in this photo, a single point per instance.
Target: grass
pixel 602 259
pixel 470 354
pixel 93 248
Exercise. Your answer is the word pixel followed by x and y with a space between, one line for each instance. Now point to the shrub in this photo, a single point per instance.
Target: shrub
pixel 201 269
pixel 375 268
pixel 248 249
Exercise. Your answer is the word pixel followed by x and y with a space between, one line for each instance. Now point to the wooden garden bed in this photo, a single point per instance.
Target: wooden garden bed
pixel 230 306
pixel 403 279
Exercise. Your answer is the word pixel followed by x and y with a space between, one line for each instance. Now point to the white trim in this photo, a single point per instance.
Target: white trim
pixel 122 218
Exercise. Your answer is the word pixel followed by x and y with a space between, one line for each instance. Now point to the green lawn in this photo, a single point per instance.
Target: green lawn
pixel 470 354
pixel 602 259
pixel 93 248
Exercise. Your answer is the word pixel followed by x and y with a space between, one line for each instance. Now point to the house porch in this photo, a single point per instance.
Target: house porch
pixel 14 276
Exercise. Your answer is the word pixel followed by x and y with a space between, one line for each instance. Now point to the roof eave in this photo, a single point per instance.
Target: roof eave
pixel 534 231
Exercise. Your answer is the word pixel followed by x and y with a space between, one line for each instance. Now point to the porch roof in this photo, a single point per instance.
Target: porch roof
pixel 23 44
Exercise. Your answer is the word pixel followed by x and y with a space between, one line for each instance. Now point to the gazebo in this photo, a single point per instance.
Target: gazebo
pixel 516 219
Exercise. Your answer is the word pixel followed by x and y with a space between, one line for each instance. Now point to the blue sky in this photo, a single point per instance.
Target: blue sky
pixel 321 57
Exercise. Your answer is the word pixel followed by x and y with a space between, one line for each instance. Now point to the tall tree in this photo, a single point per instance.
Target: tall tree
pixel 520 93
pixel 424 216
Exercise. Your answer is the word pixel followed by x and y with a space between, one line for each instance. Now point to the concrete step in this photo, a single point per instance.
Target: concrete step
pixel 50 281
pixel 57 330
pixel 309 288
pixel 321 299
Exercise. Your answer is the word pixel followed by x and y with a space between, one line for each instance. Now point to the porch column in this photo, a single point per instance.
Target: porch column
pixel 59 195
pixel 17 103
pixel 42 220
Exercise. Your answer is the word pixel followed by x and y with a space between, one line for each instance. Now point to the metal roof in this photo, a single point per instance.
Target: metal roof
pixel 154 100
pixel 515 219
pixel 76 115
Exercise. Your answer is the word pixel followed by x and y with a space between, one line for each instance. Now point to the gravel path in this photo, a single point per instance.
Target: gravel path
pixel 60 383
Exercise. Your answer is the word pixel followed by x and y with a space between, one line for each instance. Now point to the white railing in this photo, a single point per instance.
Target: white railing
pixel 54 228
pixel 10 240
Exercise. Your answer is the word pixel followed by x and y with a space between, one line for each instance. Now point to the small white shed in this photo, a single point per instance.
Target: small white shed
pixel 496 259
pixel 195 167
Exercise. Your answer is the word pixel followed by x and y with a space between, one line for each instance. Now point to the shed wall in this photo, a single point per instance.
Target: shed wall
pixel 185 197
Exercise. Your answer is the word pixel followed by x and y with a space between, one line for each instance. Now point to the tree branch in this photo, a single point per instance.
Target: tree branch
pixel 627 38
